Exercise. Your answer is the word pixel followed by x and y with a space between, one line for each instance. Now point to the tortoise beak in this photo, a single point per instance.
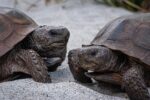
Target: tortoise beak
pixel 50 62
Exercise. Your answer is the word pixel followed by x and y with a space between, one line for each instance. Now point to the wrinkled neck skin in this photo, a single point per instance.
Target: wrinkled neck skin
pixel 116 63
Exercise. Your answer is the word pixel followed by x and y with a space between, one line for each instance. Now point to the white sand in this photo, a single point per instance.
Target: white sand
pixel 84 19
pixel 30 90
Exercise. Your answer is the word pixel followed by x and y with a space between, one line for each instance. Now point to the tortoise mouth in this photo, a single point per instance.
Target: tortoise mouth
pixel 58 44
pixel 108 77
pixel 88 64
pixel 53 52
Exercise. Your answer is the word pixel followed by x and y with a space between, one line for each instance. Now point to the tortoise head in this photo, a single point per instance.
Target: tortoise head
pixel 50 41
pixel 93 58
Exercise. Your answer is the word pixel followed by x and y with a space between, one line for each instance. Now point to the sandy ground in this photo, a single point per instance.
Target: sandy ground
pixel 84 19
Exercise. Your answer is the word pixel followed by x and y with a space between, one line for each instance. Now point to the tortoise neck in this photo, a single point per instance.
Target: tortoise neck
pixel 25 44
pixel 117 61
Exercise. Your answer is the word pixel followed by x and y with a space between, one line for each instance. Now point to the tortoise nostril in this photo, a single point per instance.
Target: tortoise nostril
pixel 66 31
pixel 72 52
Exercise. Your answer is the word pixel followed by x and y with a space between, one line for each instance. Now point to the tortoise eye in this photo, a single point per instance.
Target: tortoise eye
pixel 52 33
pixel 93 53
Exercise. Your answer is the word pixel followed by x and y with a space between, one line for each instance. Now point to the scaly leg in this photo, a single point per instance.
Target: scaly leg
pixel 134 84
pixel 28 62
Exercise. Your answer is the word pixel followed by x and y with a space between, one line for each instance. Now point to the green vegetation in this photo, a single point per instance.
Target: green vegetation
pixel 133 5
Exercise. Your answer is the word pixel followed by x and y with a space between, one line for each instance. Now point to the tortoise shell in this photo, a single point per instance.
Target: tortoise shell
pixel 128 34
pixel 14 27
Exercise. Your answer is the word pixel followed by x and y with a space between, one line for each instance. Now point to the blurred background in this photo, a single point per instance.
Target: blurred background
pixel 132 5
pixel 84 19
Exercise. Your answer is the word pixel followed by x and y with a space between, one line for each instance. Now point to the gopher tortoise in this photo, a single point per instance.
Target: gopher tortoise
pixel 27 48
pixel 119 54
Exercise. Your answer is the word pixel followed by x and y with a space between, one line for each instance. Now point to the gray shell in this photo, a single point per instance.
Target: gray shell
pixel 130 35
pixel 14 27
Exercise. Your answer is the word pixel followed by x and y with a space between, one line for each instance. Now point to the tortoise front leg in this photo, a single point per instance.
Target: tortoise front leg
pixel 134 84
pixel 29 62
pixel 77 71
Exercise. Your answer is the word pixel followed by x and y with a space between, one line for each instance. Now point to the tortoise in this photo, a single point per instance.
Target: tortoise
pixel 27 48
pixel 119 55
